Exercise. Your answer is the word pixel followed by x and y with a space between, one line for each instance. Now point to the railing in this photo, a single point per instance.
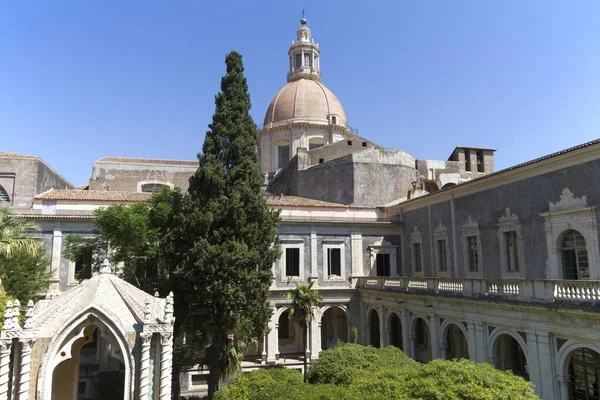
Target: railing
pixel 546 291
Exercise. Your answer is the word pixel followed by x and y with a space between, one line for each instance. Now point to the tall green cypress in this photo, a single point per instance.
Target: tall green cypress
pixel 233 229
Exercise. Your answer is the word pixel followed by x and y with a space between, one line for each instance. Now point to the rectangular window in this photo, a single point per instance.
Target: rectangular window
pixel 292 262
pixel 512 251
pixel 307 61
pixel 383 264
pixel 473 253
pixel 334 262
pixel 284 155
pixel 198 380
pixel 480 164
pixel 442 259
pixel 417 257
pixel 83 265
pixel 299 61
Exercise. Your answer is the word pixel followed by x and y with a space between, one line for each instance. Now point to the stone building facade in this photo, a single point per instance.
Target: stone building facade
pixel 442 258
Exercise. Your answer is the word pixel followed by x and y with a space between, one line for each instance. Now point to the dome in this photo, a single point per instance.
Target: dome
pixel 305 100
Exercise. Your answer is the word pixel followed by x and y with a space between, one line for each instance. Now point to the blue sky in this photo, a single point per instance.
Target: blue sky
pixel 80 79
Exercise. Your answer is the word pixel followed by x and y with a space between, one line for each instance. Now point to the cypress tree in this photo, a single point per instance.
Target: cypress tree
pixel 228 271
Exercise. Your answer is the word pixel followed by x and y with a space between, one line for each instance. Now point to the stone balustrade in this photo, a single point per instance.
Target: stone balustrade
pixel 523 290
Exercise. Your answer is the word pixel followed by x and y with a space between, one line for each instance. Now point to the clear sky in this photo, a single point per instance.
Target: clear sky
pixel 80 80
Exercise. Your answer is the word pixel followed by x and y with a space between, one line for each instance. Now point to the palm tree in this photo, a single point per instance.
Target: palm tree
pixel 304 298
pixel 15 235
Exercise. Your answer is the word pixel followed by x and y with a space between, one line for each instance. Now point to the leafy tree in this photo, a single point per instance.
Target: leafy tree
pixel 225 236
pixel 25 275
pixel 133 243
pixel 304 299
pixel 23 261
pixel 15 235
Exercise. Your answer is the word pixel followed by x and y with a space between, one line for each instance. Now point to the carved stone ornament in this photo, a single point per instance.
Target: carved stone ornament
pixel 415 234
pixel 165 338
pixel 440 228
pixel 145 338
pixel 470 224
pixel 568 201
pixel 508 217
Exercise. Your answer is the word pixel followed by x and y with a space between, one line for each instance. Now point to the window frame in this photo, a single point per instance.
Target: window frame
pixel 441 234
pixel 471 229
pixel 509 222
pixel 416 239
pixel 292 244
pixel 379 249
pixel 329 245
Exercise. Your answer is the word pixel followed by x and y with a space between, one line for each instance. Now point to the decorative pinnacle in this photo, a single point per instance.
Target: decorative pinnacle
pixel 16 313
pixel 147 316
pixel 169 309
pixel 8 317
pixel 303 20
pixel 29 315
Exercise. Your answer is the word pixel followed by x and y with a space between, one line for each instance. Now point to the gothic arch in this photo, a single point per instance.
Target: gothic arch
pixel 69 332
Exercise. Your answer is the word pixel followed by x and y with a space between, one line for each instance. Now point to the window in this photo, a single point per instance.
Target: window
pixel 442 257
pixel 83 265
pixel 417 257
pixel 349 142
pixel 3 195
pixel 574 256
pixel 292 261
pixel 299 61
pixel 153 187
pixel 471 242
pixel 473 252
pixel 383 264
pixel 584 375
pixel 283 151
pixel 512 251
pixel 334 120
pixel 199 380
pixel 334 262
pixel 480 164
pixel 307 60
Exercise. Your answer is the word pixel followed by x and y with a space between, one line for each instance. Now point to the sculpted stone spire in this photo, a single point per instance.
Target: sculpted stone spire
pixel 304 55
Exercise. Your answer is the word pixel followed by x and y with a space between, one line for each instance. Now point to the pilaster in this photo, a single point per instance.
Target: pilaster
pixel 57 240
pixel 314 267
pixel 357 258
pixel 382 327
pixel 315 335
pixel 435 339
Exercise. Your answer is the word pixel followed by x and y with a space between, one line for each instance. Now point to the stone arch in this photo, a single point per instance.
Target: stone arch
pixel 493 342
pixel 290 334
pixel 373 327
pixel 563 361
pixel 395 329
pixel 447 349
pixel 69 333
pixel 449 185
pixel 333 327
pixel 421 341
pixel 430 186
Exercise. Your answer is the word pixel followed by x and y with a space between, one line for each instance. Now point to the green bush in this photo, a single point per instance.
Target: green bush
pixel 346 362
pixel 353 372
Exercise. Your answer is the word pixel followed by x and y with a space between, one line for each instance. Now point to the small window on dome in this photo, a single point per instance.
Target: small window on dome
pixel 334 120
pixel 299 61
pixel 307 60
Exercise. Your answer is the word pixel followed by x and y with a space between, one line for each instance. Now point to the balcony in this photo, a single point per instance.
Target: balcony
pixel 561 293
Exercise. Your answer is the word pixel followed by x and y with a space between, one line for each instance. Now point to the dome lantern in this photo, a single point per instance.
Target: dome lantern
pixel 304 55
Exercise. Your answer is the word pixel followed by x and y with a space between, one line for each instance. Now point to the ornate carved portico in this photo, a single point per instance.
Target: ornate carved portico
pixel 84 342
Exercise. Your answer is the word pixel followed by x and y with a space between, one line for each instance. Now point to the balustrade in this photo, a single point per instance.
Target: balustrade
pixel 538 291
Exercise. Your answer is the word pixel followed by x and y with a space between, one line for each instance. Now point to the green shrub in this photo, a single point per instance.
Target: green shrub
pixel 260 384
pixel 465 380
pixel 346 362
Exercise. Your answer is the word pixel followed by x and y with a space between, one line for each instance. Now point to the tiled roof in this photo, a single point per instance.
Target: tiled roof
pixel 83 187
pixel 192 163
pixel 93 195
pixel 295 201
pixel 17 156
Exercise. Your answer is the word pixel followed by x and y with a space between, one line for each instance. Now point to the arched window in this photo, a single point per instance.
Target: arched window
pixel 574 256
pixel 584 375
pixel 3 195
pixel 283 154
pixel 315 143
pixel 448 185
pixel 431 187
